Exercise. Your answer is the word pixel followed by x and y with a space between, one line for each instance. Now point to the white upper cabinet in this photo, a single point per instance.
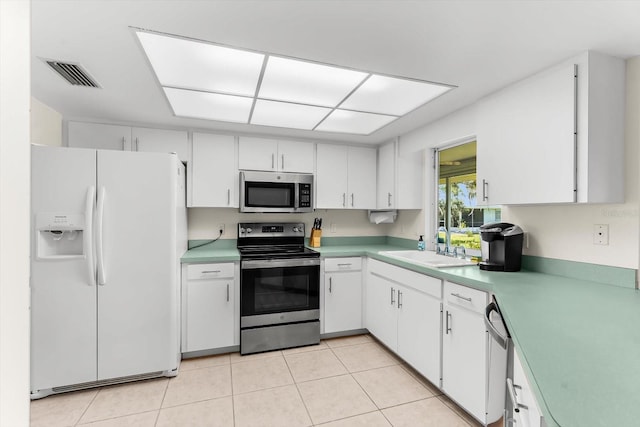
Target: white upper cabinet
pixel 99 136
pixel 345 177
pixel 125 138
pixel 272 155
pixel 399 178
pixel 161 141
pixel 556 137
pixel 213 171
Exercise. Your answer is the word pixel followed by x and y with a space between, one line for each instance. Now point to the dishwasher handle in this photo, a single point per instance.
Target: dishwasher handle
pixel 502 340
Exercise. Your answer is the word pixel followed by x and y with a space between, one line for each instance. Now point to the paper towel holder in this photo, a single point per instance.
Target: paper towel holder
pixel 383 216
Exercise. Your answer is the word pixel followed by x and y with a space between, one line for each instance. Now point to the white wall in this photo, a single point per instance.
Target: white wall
pixel 203 222
pixel 14 212
pixel 558 231
pixel 46 124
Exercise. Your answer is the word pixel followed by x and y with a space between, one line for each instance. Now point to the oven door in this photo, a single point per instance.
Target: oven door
pixel 276 291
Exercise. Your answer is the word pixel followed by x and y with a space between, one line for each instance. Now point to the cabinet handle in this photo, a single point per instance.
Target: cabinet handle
pixel 344 264
pixel 210 271
pixel 330 283
pixel 351 199
pixel 344 200
pixel 399 298
pixel 393 295
pixel 282 162
pixel 485 190
pixel 447 327
pixel 273 165
pixel 461 297
pixel 123 141
pixel 137 145
pixel 389 199
pixel 511 389
pixel 228 196
pixel 227 292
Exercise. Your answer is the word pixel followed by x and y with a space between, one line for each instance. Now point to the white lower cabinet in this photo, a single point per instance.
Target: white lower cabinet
pixel 403 311
pixel 209 306
pixel 464 348
pixel 342 294
pixel 525 408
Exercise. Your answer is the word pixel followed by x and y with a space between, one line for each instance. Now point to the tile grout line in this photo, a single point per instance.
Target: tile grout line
pixel 233 394
pixel 164 395
pixel 87 408
pixel 295 383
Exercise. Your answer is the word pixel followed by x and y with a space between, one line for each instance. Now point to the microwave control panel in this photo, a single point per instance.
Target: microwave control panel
pixel 305 195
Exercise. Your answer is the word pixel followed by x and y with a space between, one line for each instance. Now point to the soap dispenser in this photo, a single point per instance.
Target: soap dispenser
pixel 421 244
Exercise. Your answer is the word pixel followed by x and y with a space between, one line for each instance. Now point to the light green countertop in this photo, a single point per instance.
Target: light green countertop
pixel 579 340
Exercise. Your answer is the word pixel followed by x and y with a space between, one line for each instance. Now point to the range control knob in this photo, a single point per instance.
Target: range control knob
pixel 249 230
pixel 295 229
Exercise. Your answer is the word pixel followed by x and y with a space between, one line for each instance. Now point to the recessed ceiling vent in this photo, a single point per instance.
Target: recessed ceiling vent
pixel 73 73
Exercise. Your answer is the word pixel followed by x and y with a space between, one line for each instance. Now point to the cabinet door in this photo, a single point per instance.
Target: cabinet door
pixel 295 156
pixel 99 136
pixel 526 149
pixel 331 177
pixel 361 178
pixel 419 331
pixel 409 181
pixel 381 317
pixel 464 343
pixel 342 301
pixel 214 171
pixel 257 154
pixel 161 141
pixel 529 412
pixel 386 198
pixel 209 314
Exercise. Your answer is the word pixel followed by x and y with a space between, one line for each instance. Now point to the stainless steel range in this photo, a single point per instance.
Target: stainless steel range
pixel 279 287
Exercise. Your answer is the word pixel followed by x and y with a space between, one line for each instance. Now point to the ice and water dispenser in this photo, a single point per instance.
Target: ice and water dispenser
pixel 60 236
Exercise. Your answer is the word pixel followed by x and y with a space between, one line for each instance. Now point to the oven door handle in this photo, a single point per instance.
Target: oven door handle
pixel 276 263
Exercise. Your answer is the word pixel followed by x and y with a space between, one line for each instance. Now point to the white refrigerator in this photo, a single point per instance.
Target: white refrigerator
pixel 108 230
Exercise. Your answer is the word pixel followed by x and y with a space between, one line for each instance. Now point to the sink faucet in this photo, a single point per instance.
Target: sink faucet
pixel 459 252
pixel 447 251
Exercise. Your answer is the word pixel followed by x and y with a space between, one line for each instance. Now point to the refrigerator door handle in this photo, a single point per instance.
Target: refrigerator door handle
pixel 102 279
pixel 88 234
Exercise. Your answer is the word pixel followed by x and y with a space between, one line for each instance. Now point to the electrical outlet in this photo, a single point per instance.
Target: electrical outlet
pixel 332 227
pixel 221 229
pixel 601 234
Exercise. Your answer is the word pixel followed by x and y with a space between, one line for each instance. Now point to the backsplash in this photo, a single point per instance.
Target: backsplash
pixel 204 222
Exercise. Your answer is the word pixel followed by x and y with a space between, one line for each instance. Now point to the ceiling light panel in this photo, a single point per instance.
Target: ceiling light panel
pixel 307 83
pixel 391 95
pixel 202 66
pixel 210 106
pixel 287 115
pixel 354 122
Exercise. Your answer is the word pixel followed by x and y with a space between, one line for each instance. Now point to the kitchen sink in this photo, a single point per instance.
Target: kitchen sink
pixel 428 259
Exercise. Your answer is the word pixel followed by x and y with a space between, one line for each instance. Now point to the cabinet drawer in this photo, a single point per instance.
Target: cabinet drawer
pixel 210 271
pixel 418 281
pixel 463 296
pixel 343 264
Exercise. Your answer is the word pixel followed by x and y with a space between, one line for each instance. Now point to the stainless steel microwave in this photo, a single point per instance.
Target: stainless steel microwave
pixel 276 192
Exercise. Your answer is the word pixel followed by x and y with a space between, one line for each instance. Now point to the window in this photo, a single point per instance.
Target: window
pixel 459 216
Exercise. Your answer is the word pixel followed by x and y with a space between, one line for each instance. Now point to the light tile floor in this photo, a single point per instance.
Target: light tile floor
pixel 350 381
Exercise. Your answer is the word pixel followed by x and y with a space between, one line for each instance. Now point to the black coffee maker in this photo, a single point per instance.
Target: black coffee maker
pixel 501 247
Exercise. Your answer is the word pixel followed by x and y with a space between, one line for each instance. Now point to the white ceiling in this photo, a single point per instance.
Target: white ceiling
pixel 478 46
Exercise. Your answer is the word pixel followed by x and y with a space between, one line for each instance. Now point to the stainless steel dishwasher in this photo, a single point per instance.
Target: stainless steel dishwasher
pixel 499 346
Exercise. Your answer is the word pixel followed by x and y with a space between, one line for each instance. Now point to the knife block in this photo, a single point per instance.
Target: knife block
pixel 314 239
